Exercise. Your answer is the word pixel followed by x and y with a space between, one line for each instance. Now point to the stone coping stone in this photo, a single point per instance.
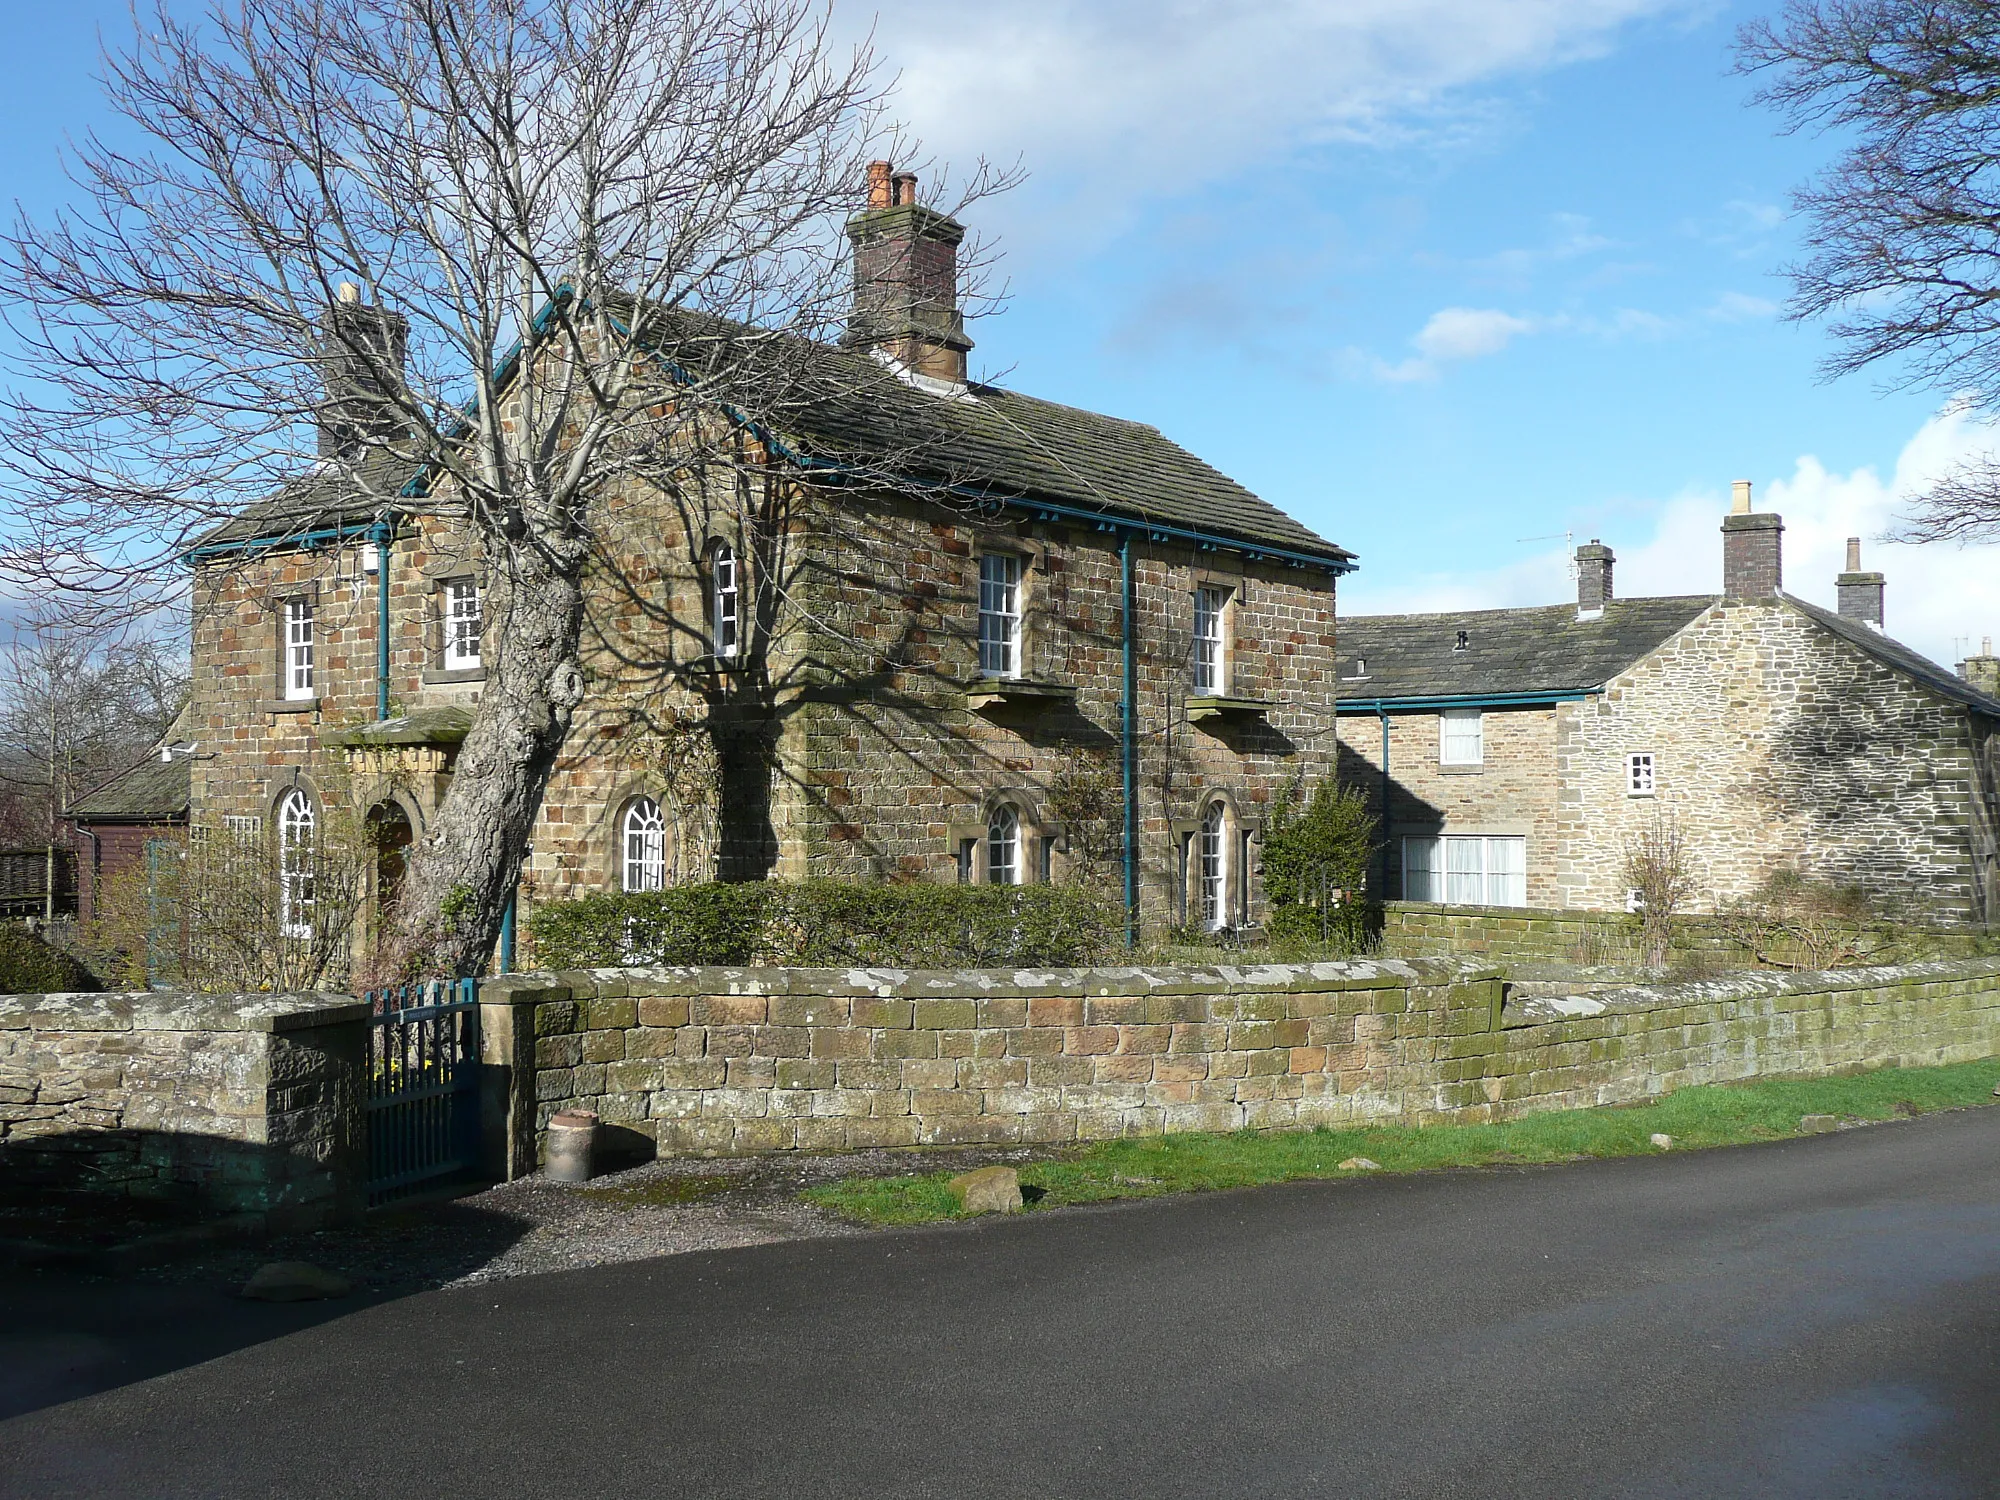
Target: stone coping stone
pixel 157 1010
pixel 971 984
pixel 1748 984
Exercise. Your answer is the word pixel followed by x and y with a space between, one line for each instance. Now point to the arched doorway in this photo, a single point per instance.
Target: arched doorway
pixel 389 836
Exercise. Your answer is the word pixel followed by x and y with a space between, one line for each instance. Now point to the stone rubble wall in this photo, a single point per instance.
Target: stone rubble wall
pixel 714 1062
pixel 1518 934
pixel 243 1104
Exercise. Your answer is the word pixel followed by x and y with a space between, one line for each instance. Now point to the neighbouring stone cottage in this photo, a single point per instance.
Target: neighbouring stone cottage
pixel 1516 754
pixel 912 690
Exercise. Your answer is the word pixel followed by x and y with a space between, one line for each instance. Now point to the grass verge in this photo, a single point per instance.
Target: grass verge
pixel 1717 1115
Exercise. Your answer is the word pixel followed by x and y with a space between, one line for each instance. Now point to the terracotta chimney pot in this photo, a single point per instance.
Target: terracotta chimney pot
pixel 881 190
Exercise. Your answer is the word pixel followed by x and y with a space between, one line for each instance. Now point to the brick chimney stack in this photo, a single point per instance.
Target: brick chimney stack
pixel 906 279
pixel 1753 544
pixel 364 352
pixel 1593 579
pixel 1859 593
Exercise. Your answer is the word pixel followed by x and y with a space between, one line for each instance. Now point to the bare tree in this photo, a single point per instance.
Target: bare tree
pixel 1658 869
pixel 1903 248
pixel 496 262
pixel 77 706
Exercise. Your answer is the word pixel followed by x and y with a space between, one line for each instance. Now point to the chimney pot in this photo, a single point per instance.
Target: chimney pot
pixel 881 191
pixel 362 361
pixel 1739 497
pixel 1593 579
pixel 906 188
pixel 348 292
pixel 1983 670
pixel 1859 594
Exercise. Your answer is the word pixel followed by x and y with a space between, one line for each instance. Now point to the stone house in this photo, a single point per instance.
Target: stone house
pixel 1515 755
pixel 982 680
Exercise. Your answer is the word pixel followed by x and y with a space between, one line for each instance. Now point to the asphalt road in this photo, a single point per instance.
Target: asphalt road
pixel 1818 1318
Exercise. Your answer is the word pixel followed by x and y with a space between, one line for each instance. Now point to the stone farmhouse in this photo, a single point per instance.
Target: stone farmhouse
pixel 902 690
pixel 1514 755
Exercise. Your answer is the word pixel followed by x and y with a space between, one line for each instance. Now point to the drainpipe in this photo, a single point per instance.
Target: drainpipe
pixel 1128 712
pixel 381 535
pixel 1384 715
pixel 507 935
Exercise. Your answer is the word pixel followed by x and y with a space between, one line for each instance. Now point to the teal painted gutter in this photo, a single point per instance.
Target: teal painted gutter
pixel 1352 706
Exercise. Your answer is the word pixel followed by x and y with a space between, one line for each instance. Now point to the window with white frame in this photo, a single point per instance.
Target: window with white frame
pixel 643 833
pixel 1003 846
pixel 1461 740
pixel 1639 774
pixel 724 600
pixel 298 649
pixel 1000 614
pixel 1208 606
pixel 244 829
pixel 1211 872
pixel 298 851
pixel 464 625
pixel 1466 870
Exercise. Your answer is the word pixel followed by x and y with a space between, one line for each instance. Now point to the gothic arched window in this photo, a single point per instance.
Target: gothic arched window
pixel 645 841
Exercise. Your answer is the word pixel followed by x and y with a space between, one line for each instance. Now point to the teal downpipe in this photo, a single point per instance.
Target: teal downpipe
pixel 381 535
pixel 1128 712
pixel 507 936
pixel 1386 840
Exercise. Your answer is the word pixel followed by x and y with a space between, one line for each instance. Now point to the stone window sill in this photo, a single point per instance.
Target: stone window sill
pixel 1479 770
pixel 435 675
pixel 291 705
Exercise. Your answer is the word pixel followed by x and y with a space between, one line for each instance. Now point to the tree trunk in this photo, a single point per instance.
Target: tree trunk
pixel 463 872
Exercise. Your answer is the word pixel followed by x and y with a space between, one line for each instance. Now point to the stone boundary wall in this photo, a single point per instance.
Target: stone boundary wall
pixel 1520 934
pixel 713 1062
pixel 243 1104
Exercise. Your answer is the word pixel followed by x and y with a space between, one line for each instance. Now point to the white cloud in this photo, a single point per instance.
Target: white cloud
pixel 1938 597
pixel 1740 307
pixel 1111 102
pixel 1451 334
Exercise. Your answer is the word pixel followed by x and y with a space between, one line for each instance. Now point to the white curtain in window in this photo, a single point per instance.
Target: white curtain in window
pixel 1419 870
pixel 645 846
pixel 1465 872
pixel 1459 739
pixel 1506 872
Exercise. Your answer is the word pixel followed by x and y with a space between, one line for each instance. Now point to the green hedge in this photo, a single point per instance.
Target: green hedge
pixel 29 966
pixel 828 923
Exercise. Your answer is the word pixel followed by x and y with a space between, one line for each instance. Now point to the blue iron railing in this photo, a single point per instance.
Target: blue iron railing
pixel 423 1086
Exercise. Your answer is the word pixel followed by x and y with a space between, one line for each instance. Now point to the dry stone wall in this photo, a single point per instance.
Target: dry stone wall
pixel 714 1062
pixel 240 1104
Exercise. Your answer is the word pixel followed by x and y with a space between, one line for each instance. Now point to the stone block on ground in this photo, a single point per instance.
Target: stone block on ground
pixel 1664 1142
pixel 293 1281
pixel 989 1190
pixel 1360 1164
pixel 1818 1124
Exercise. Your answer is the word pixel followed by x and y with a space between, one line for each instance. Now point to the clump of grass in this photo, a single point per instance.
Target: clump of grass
pixel 660 1192
pixel 1715 1115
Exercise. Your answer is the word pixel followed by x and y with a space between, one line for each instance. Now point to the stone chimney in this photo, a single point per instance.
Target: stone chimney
pixel 906 279
pixel 364 353
pixel 1983 670
pixel 1753 545
pixel 1859 593
pixel 1593 579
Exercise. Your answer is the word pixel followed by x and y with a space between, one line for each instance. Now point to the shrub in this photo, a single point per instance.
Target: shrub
pixel 819 923
pixel 29 966
pixel 1316 856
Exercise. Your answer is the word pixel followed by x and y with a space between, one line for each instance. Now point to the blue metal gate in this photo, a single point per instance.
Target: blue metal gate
pixel 423 1086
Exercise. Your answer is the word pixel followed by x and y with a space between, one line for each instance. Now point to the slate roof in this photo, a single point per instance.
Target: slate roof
pixel 151 792
pixel 1508 651
pixel 1894 654
pixel 1002 443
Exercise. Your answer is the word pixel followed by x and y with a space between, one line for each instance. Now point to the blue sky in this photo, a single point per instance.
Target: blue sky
pixel 1444 278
